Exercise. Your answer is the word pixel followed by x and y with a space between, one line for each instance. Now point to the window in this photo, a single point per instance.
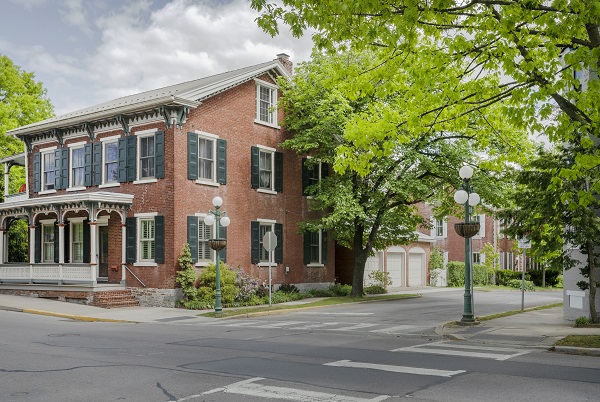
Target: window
pixel 198 236
pixel 204 235
pixel 77 241
pixel 476 258
pixel 481 220
pixel 264 228
pixel 206 159
pixel 259 255
pixel 48 242
pixel 315 248
pixel 147 162
pixel 266 103
pixel 77 167
pixel 312 173
pixel 267 169
pixel 111 162
pixel 146 239
pixel 48 170
pixel 439 228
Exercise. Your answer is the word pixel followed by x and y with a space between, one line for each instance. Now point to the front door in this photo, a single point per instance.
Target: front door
pixel 103 252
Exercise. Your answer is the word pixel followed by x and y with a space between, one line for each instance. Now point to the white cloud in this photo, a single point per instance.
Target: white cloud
pixel 74 14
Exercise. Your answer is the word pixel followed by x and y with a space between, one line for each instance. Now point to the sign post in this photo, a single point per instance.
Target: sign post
pixel 269 243
pixel 523 243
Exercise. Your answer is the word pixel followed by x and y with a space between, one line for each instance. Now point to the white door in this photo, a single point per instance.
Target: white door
pixel 373 264
pixel 415 269
pixel 395 268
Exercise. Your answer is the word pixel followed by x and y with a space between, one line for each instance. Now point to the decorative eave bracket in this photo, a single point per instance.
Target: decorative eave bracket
pixel 58 133
pixel 89 128
pixel 174 115
pixel 124 120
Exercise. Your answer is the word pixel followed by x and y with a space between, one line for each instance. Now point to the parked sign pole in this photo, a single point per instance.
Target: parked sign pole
pixel 523 243
pixel 269 243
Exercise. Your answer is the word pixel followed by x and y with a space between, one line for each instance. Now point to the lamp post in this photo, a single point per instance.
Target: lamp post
pixel 467 229
pixel 217 244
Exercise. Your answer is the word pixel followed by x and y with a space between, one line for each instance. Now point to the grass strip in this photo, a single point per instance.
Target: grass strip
pixel 514 312
pixel 580 341
pixel 329 301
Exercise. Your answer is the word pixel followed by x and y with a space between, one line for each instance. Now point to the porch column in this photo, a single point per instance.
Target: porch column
pixel 61 243
pixel 123 254
pixel 32 244
pixel 93 250
pixel 2 244
pixel 6 170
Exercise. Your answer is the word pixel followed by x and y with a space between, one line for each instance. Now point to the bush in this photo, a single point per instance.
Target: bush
pixel 455 275
pixel 186 277
pixel 559 282
pixel 504 276
pixel 482 275
pixel 288 288
pixel 552 275
pixel 336 290
pixel 582 320
pixel 380 278
pixel 229 290
pixel 374 290
pixel 516 283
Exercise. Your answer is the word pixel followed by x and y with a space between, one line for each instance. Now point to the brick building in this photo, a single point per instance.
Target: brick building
pixel 115 190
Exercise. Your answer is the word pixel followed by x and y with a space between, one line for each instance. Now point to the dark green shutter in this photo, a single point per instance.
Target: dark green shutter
pixel 37 172
pixel 130 239
pixel 223 235
pixel 87 241
pixel 58 169
pixel 305 175
pixel 88 164
pixel 67 242
pixel 122 160
pixel 192 236
pixel 255 242
pixel 64 168
pixel 38 243
pixel 278 172
pixel 131 157
pixel 279 248
pixel 323 246
pixel 159 155
pixel 159 239
pixel 97 170
pixel 306 248
pixel 56 243
pixel 324 170
pixel 192 160
pixel 222 162
pixel 254 159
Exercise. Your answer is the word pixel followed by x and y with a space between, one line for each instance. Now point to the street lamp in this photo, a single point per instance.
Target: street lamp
pixel 467 229
pixel 217 244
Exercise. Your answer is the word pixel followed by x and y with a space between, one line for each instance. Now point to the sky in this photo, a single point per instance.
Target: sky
pixel 90 51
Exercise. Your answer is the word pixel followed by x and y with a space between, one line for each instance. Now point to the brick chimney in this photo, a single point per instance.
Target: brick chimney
pixel 285 60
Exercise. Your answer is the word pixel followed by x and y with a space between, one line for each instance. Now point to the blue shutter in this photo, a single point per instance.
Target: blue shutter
pixel 159 239
pixel 130 239
pixel 278 172
pixel 37 172
pixel 57 169
pixel 254 159
pixel 279 248
pixel 87 241
pixel 159 154
pixel 255 242
pixel 222 162
pixel 192 236
pixel 87 170
pixel 97 163
pixel 131 157
pixel 122 160
pixel 192 160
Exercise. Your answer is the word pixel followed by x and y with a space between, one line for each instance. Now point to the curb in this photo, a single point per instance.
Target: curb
pixel 573 350
pixel 69 316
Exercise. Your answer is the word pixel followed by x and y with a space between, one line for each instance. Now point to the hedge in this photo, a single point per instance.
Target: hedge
pixel 482 275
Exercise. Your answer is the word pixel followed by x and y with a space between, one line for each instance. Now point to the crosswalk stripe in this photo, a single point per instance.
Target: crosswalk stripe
pixel 396 369
pixel 399 329
pixel 352 328
pixel 464 350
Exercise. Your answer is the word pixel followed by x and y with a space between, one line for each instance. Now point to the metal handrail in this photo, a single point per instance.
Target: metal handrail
pixel 135 276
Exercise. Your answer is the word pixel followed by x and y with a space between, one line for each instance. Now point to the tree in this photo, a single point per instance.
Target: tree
pixel 372 204
pixel 547 215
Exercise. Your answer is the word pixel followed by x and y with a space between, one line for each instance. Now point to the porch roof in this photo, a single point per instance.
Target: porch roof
pixel 90 197
pixel 17 159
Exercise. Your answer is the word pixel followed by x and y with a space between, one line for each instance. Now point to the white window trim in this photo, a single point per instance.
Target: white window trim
pixel 143 216
pixel 265 149
pixel 42 181
pixel 481 233
pixel 139 135
pixel 73 147
pixel 320 263
pixel 320 165
pixel 261 83
pixel 104 141
pixel 214 138
pixel 71 222
pixel 46 222
pixel 266 222
pixel 213 254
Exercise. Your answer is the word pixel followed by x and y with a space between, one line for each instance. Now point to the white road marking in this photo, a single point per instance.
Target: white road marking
pixel 279 324
pixel 316 325
pixel 436 349
pixel 348 314
pixel 250 388
pixel 352 328
pixel 396 369
pixel 400 329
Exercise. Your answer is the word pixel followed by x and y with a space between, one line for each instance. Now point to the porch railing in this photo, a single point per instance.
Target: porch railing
pixel 47 273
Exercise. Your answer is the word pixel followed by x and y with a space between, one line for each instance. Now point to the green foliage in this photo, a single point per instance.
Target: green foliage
pixel 288 288
pixel 206 290
pixel 491 255
pixel 517 283
pixel 380 279
pixel 503 276
pixel 483 275
pixel 559 282
pixel 375 290
pixel 186 277
pixel 436 259
pixel 582 320
pixel 455 275
pixel 336 290
pixel 18 241
pixel 552 276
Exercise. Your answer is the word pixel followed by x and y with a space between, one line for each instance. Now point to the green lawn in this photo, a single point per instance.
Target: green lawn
pixel 581 341
pixel 513 312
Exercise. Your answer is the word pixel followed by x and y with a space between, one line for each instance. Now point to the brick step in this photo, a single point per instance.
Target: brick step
pixel 115 299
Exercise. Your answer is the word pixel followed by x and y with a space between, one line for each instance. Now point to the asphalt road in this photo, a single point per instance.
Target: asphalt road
pixel 355 353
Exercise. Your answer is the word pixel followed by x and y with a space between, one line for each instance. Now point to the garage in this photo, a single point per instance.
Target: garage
pixel 374 263
pixel 395 262
pixel 416 267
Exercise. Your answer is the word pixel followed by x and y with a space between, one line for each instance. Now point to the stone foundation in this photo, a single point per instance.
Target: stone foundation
pixel 153 297
pixel 78 297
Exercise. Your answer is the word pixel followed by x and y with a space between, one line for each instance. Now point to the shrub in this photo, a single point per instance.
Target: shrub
pixel 374 290
pixel 288 288
pixel 516 283
pixel 552 275
pixel 455 273
pixel 503 276
pixel 582 320
pixel 559 282
pixel 248 287
pixel 380 278
pixel 336 290
pixel 482 275
pixel 186 277
pixel 206 290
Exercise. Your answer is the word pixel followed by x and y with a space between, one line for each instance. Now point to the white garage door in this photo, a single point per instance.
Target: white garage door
pixel 415 269
pixel 395 268
pixel 373 264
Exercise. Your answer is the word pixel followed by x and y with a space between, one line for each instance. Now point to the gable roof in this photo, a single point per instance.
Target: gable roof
pixel 189 93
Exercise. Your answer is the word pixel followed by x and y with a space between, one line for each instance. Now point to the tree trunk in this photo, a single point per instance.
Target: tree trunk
pixel 592 281
pixel 360 258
